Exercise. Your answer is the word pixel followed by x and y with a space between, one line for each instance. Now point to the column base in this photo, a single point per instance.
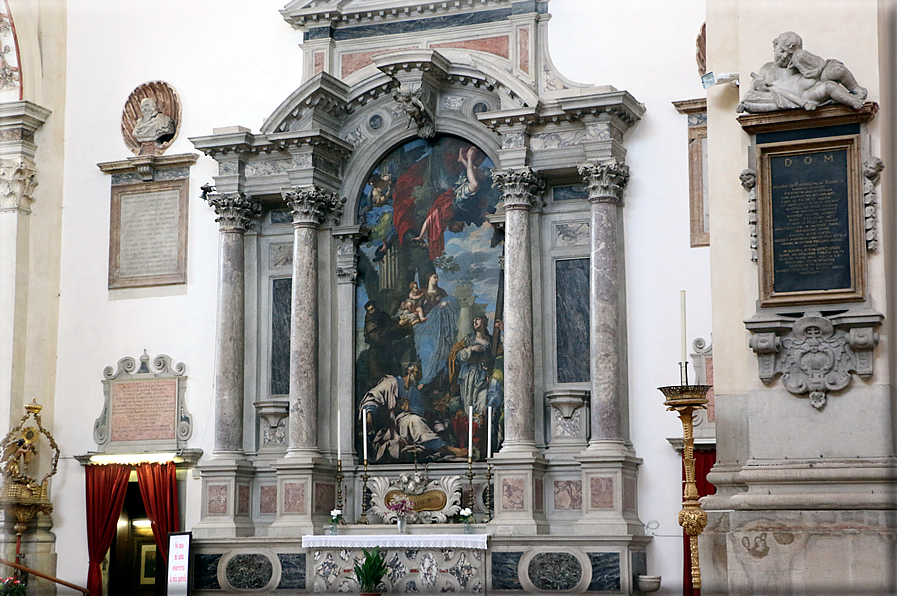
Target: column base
pixel 226 489
pixel 610 490
pixel 306 492
pixel 519 492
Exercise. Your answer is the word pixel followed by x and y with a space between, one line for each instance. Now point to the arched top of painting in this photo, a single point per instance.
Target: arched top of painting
pixel 10 64
pixel 423 189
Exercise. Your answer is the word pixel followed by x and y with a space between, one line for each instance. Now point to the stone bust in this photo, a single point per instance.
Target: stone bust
pixel 152 125
pixel 798 79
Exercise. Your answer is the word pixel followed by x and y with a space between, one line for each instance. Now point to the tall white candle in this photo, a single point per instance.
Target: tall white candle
pixel 364 426
pixel 489 434
pixel 682 320
pixel 470 431
pixel 339 434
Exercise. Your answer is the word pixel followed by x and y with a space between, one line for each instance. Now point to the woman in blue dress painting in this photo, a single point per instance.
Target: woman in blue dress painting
pixel 434 337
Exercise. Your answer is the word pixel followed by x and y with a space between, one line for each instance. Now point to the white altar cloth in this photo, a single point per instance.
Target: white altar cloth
pixel 472 541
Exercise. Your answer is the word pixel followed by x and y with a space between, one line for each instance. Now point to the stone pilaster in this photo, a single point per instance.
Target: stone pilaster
pixel 227 476
pixel 609 465
pixel 519 466
pixel 300 472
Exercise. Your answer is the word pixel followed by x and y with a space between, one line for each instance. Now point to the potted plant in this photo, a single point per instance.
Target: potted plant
pixel 11 586
pixel 370 572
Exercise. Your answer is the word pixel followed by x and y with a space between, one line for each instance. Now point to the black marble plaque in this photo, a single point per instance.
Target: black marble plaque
pixel 555 571
pixel 292 576
pixel 205 572
pixel 572 323
pixel 605 572
pixel 810 221
pixel 249 571
pixel 504 571
pixel 281 291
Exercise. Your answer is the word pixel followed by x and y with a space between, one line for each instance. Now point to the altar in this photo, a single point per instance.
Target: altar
pixel 421 563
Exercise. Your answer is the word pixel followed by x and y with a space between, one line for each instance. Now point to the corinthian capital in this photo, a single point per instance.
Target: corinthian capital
pixel 233 211
pixel 520 188
pixel 17 184
pixel 606 181
pixel 310 205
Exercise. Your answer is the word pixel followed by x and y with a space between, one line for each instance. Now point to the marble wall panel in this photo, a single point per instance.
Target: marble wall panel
pixel 523 48
pixel 280 336
pixel 602 492
pixel 292 575
pixel 281 216
pixel 572 320
pixel 555 571
pixel 605 572
pixel 639 563
pixel 504 571
pixel 319 62
pixel 570 193
pixel 217 499
pixel 568 495
pixel 205 572
pixel 629 494
pixel 512 493
pixel 571 234
pixel 293 497
pixel 325 497
pixel 358 60
pixel 268 499
pixel 249 571
pixel 538 495
pixel 498 45
pixel 243 499
pixel 280 255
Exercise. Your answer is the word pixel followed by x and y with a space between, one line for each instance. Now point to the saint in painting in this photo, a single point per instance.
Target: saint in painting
pixel 429 304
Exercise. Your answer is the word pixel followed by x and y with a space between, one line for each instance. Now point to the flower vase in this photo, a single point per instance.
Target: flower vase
pixel 402 523
pixel 468 527
pixel 333 529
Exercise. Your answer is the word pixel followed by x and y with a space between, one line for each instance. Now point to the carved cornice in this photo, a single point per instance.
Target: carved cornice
pixel 331 14
pixel 520 188
pixel 323 93
pixel 234 211
pixel 309 206
pixel 17 184
pixel 606 181
pixel 312 138
pixel 148 165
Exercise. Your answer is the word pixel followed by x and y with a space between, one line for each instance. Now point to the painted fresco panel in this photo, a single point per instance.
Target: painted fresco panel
pixel 428 296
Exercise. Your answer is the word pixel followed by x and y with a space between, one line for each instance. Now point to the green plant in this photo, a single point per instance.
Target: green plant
pixel 13 587
pixel 371 570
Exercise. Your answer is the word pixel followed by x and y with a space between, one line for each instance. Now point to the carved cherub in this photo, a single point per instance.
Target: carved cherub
pixel 416 110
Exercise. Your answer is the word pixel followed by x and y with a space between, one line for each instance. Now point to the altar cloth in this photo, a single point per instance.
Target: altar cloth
pixel 472 541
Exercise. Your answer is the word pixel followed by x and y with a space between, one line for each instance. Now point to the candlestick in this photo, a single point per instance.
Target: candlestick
pixel 487 495
pixel 364 426
pixel 489 435
pixel 339 484
pixel 470 432
pixel 363 518
pixel 683 363
pixel 339 433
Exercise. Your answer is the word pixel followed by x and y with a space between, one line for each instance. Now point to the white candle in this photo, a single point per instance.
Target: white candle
pixel 339 433
pixel 489 434
pixel 364 426
pixel 682 320
pixel 470 431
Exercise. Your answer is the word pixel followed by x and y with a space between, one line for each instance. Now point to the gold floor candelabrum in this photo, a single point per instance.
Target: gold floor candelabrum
pixel 685 399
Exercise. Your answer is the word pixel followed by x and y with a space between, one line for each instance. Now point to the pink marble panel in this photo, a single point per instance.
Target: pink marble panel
pixel 512 493
pixel 217 499
pixel 523 48
pixel 243 499
pixel 629 493
pixel 491 45
pixel 358 60
pixel 268 499
pixel 294 497
pixel 538 497
pixel 602 492
pixel 319 62
pixel 567 495
pixel 325 497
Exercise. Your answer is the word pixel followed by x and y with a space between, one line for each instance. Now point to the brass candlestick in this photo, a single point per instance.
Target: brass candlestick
pixel 470 497
pixel 339 484
pixel 363 518
pixel 685 399
pixel 488 493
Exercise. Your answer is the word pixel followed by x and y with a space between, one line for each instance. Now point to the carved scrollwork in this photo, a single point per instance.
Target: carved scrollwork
pixel 234 211
pixel 748 179
pixel 444 492
pixel 872 169
pixel 605 181
pixel 17 184
pixel 311 205
pixel 520 188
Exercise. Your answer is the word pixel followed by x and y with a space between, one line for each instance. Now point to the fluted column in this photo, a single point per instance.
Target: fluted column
pixel 605 182
pixel 234 213
pixel 521 190
pixel 309 207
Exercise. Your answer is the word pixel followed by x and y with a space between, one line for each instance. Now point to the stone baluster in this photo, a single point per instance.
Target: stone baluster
pixel 605 182
pixel 234 213
pixel 521 190
pixel 309 207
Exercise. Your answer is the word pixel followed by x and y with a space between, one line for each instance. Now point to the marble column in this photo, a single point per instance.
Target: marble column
pixel 605 182
pixel 521 189
pixel 234 213
pixel 309 206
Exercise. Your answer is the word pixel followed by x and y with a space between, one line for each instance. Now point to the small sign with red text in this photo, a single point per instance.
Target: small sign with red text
pixel 178 559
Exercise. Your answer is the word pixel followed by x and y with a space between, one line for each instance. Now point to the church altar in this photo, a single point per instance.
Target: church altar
pixel 416 562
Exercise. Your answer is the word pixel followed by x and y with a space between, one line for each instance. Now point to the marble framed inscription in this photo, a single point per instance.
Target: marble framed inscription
pixel 811 222
pixel 148 234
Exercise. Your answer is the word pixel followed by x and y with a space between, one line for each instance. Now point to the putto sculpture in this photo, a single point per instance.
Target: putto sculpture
pixel 797 78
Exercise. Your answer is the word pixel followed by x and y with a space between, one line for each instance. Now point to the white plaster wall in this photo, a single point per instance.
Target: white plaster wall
pixel 647 47
pixel 233 62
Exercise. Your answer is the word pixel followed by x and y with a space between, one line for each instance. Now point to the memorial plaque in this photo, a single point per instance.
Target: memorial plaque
pixel 148 234
pixel 811 222
pixel 144 410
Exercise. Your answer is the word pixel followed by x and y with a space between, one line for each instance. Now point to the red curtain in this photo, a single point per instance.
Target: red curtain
pixel 106 489
pixel 704 460
pixel 159 489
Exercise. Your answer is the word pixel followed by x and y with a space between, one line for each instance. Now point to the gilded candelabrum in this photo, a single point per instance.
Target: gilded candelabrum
pixel 22 495
pixel 685 399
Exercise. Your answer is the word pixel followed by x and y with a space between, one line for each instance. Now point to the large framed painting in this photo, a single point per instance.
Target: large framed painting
pixel 429 304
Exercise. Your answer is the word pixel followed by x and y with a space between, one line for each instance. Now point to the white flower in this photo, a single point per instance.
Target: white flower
pixel 466 512
pixel 336 512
